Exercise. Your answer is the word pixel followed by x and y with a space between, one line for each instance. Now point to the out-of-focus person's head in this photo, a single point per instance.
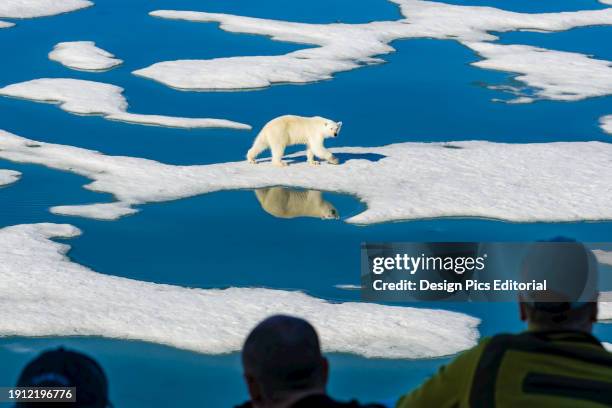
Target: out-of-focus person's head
pixel 282 362
pixel 65 368
pixel 570 300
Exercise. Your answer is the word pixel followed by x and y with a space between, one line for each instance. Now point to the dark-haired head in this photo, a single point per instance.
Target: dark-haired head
pixel 282 361
pixel 570 301
pixel 66 368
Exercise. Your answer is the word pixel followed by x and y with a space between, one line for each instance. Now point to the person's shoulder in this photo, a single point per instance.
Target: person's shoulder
pixel 575 344
pixel 477 350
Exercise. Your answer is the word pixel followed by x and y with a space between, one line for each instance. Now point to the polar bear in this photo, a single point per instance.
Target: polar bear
pixel 289 130
pixel 284 202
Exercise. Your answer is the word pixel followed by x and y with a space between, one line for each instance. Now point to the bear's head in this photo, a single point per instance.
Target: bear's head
pixel 329 212
pixel 330 128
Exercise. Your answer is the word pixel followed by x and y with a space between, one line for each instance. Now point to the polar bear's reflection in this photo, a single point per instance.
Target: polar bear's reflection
pixel 284 202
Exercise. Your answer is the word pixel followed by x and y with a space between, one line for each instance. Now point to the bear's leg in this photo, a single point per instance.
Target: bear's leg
pixel 277 155
pixel 258 147
pixel 325 154
pixel 310 158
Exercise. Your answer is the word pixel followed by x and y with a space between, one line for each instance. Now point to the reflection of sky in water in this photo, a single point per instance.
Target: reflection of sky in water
pixel 427 92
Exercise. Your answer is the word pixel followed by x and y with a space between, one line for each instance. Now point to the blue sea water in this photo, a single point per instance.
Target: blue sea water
pixel 527 6
pixel 427 91
pixel 578 40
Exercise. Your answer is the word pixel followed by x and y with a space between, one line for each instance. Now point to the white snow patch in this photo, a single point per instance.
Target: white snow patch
pixel 43 293
pixel 83 55
pixel 605 307
pixel 8 177
pixel 605 312
pixel 608 346
pixel 558 75
pixel 98 98
pixel 342 47
pixel 475 23
pixel 603 257
pixel 37 8
pixel 514 182
pixel 606 123
pixel 101 211
pixel 347 286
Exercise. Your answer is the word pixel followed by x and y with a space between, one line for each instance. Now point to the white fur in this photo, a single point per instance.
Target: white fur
pixel 289 130
pixel 284 202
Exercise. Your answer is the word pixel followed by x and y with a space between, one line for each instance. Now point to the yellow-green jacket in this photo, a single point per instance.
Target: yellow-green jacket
pixel 533 369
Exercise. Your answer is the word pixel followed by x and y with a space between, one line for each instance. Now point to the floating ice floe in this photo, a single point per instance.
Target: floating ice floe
pixel 98 98
pixel 37 8
pixel 83 55
pixel 43 293
pixel 603 257
pixel 558 75
pixel 101 211
pixel 562 181
pixel 8 177
pixel 476 23
pixel 605 308
pixel 342 47
pixel 17 348
pixel 606 123
pixel 347 286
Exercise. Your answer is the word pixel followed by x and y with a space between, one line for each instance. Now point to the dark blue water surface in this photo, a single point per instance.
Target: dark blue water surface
pixel 427 91
pixel 527 6
pixel 580 40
